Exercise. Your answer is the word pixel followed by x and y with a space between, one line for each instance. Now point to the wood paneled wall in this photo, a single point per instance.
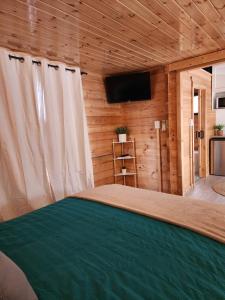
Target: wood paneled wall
pixel 167 91
pixel 103 118
pixel 140 117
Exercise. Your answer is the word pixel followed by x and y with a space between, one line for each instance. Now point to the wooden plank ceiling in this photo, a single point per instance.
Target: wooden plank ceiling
pixel 112 36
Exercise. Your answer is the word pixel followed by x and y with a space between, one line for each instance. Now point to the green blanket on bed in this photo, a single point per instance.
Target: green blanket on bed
pixel 79 249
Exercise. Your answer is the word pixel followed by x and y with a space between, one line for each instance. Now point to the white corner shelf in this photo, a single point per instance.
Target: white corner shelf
pixel 127 174
pixel 130 141
pixel 124 155
pixel 122 158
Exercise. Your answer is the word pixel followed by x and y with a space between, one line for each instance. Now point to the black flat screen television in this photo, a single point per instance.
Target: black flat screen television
pixel 129 87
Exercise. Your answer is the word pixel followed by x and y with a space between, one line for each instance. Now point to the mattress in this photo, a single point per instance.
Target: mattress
pixel 82 249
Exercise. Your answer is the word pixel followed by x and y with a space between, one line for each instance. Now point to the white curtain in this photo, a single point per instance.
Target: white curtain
pixel 44 147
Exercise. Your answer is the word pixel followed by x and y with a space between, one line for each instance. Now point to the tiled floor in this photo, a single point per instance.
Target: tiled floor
pixel 203 190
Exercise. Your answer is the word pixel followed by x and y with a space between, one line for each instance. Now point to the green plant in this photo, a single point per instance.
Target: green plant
pixel 219 126
pixel 121 130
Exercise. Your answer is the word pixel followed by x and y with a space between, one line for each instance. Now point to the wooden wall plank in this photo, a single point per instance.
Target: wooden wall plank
pixel 174 166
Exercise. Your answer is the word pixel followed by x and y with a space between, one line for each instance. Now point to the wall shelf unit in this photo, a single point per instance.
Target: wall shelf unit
pixel 121 159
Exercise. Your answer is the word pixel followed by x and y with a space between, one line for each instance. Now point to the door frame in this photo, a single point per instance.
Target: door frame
pixel 202 117
pixel 185 156
pixel 173 71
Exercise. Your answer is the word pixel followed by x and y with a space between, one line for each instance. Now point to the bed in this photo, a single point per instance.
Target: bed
pixel 116 242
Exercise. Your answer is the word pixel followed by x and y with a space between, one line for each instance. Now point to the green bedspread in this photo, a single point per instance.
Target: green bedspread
pixel 79 249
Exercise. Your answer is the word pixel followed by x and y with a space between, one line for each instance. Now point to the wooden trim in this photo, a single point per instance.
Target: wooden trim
pixel 203 142
pixel 201 148
pixel 202 117
pixel 174 173
pixel 191 130
pixel 179 131
pixel 135 163
pixel 114 162
pixel 197 62
pixel 191 155
pixel 159 159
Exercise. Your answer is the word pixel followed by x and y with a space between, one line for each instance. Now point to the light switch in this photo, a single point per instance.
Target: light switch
pixel 157 125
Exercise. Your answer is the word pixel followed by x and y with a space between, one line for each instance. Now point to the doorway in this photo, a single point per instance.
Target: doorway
pixel 199 128
pixel 196 150
pixel 196 121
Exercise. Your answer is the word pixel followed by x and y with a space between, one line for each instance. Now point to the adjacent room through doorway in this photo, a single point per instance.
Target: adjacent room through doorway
pixel 196 134
pixel 199 91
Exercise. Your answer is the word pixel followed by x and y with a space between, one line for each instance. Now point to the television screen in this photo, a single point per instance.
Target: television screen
pixel 129 87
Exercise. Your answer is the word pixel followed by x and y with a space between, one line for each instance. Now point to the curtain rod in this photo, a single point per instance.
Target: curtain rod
pixel 38 62
pixel 21 59
pixel 53 66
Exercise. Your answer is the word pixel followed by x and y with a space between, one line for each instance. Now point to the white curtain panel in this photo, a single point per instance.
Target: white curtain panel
pixel 44 147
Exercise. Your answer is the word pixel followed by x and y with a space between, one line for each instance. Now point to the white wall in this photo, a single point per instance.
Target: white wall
pixel 220 116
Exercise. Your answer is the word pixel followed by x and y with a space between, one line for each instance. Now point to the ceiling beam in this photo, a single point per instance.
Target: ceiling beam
pixel 197 62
